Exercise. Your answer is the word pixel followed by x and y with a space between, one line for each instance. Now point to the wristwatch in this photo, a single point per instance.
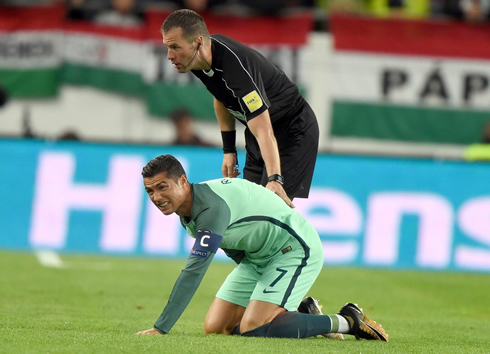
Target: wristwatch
pixel 276 178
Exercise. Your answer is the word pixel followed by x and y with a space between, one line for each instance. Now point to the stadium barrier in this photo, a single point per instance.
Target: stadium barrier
pixel 409 80
pixel 40 52
pixel 370 212
pixel 420 81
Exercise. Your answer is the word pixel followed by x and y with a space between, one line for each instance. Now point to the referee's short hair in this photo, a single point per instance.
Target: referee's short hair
pixel 163 163
pixel 191 23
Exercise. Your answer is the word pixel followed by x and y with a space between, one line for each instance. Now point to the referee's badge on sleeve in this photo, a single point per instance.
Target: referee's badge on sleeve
pixel 253 101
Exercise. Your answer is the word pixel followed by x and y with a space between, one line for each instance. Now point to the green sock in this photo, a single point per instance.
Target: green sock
pixel 296 325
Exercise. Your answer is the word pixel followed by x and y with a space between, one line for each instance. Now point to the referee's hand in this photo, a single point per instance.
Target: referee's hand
pixel 277 188
pixel 229 167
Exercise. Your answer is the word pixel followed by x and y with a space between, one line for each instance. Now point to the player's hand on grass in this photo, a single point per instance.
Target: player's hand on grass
pixel 229 167
pixel 279 190
pixel 151 331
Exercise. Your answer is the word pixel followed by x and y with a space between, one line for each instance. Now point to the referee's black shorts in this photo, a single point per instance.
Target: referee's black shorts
pixel 297 139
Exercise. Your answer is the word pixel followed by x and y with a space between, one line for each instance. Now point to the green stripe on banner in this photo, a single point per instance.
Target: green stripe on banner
pixel 164 98
pixel 407 123
pixel 118 81
pixel 31 83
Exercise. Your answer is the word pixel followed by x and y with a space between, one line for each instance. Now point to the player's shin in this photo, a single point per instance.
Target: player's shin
pixel 294 325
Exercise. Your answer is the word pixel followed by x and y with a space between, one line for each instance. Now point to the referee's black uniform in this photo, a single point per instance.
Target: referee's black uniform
pixel 248 84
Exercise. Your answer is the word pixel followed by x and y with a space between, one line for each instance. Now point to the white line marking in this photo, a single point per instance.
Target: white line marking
pixel 49 259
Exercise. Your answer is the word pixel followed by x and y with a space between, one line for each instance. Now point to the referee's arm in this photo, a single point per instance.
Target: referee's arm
pixel 227 125
pixel 261 128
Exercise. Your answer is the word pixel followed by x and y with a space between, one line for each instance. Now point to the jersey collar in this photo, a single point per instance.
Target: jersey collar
pixel 209 73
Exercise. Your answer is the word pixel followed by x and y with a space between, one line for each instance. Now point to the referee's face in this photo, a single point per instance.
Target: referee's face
pixel 180 52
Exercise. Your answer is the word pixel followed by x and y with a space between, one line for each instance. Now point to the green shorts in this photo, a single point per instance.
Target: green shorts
pixel 284 281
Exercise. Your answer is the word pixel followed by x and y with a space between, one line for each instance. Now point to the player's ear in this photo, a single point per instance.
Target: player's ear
pixel 183 180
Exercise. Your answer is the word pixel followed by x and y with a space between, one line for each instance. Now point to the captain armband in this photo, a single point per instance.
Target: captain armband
pixel 205 242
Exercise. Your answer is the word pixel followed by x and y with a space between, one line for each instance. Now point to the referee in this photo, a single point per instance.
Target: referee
pixel 281 132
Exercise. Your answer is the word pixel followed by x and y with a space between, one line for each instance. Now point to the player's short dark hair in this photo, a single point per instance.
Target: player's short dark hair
pixel 191 23
pixel 163 163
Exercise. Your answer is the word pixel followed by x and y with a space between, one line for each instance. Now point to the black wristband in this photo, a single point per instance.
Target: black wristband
pixel 229 141
pixel 276 178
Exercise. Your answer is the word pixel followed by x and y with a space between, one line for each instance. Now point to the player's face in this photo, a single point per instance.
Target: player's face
pixel 180 52
pixel 167 195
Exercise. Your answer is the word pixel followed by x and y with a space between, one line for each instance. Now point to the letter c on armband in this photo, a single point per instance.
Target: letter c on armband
pixel 206 242
pixel 202 240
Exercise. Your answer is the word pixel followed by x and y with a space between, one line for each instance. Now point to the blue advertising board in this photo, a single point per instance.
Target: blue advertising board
pixel 376 212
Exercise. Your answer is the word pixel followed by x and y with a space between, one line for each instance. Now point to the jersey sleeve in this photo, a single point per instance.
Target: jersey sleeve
pixel 202 254
pixel 212 212
pixel 243 76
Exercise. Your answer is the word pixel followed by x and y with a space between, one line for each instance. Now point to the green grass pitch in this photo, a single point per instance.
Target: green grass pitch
pixel 95 304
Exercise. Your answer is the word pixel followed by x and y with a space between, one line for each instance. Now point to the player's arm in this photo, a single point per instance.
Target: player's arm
pixel 202 254
pixel 261 128
pixel 228 133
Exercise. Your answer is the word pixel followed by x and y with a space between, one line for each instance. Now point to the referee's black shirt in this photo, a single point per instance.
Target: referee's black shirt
pixel 248 84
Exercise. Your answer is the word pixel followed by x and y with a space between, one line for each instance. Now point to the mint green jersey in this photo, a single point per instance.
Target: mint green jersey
pixel 250 218
pixel 255 224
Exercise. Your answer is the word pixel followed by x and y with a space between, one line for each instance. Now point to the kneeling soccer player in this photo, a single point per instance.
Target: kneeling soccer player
pixel 279 256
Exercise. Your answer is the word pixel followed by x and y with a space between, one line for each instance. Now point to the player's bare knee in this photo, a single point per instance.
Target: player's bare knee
pixel 249 325
pixel 209 328
pixel 214 327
